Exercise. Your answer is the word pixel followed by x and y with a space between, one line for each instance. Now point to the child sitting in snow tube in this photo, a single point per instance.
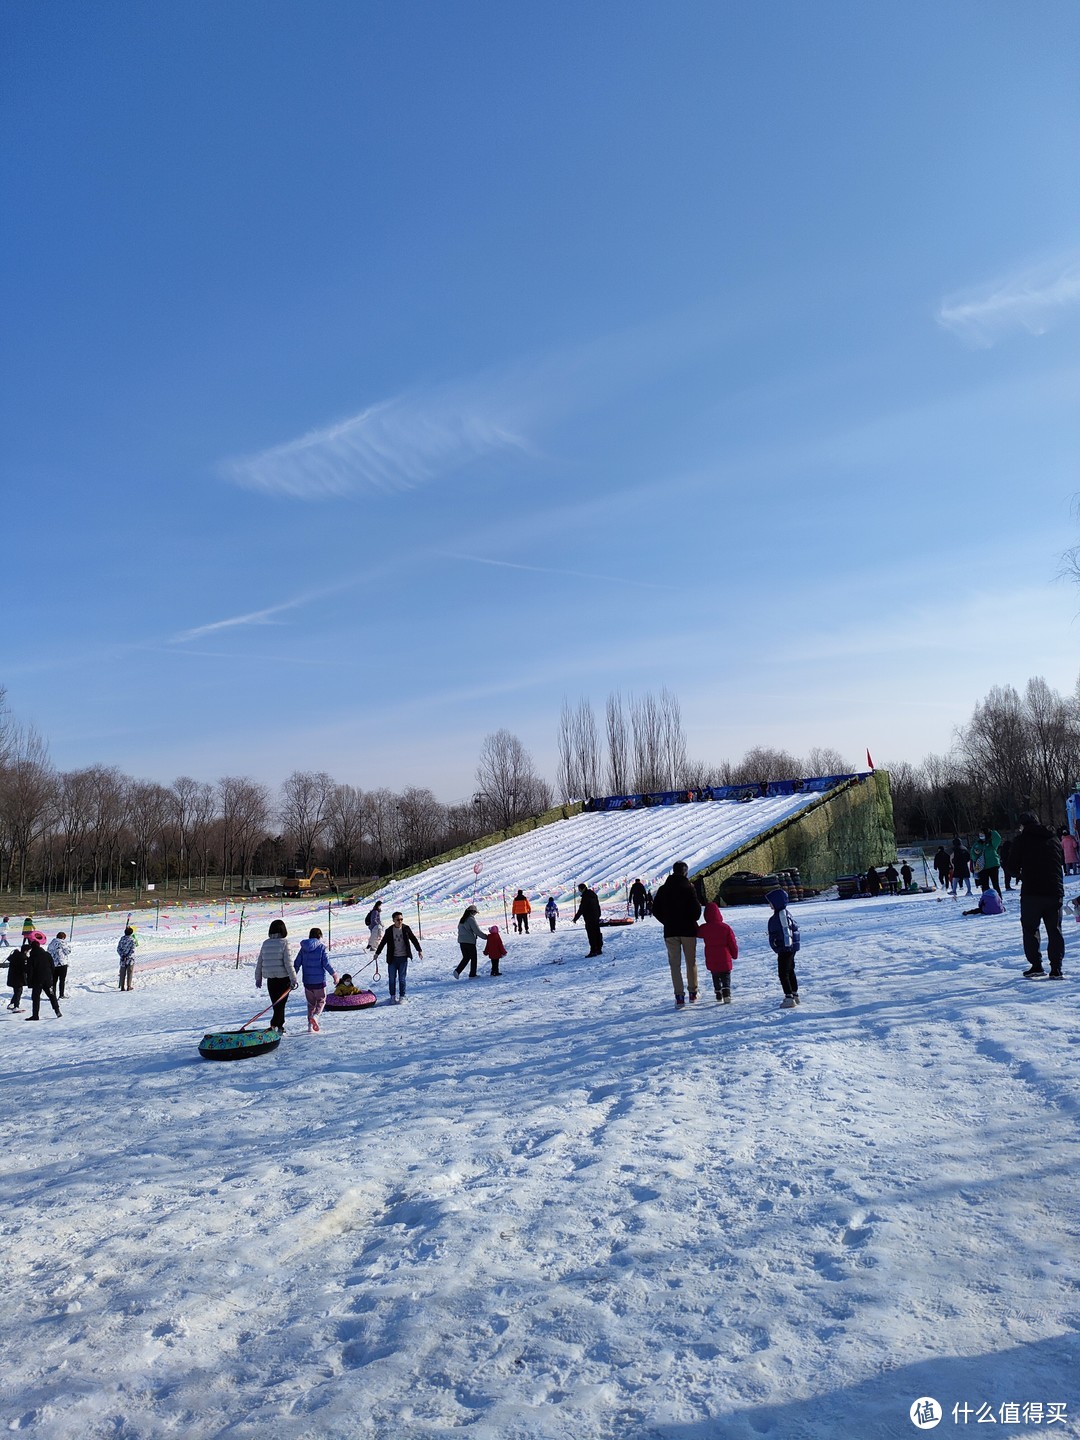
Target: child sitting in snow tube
pixel 345 996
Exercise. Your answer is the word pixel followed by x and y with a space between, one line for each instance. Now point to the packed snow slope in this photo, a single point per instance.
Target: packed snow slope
pixel 550 1205
pixel 607 850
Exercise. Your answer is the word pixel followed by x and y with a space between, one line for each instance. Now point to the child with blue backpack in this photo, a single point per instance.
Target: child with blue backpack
pixel 784 939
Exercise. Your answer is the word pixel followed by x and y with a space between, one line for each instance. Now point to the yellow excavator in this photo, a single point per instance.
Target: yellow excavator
pixel 319 882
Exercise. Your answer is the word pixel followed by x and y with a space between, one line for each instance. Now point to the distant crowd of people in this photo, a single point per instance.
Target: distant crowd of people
pixel 1034 861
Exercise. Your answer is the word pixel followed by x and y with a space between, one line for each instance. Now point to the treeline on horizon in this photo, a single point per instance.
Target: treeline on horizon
pixel 98 830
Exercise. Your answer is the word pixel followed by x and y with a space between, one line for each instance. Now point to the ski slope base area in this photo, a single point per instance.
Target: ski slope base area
pixel 550 1204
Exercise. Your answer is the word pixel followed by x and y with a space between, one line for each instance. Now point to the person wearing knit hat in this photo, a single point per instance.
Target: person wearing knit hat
pixel 40 973
pixel 1037 858
pixel 784 940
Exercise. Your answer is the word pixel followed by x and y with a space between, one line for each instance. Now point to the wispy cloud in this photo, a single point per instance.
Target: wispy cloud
pixel 1031 299
pixel 392 446
pixel 414 438
pixel 550 570
pixel 253 617
pixel 267 615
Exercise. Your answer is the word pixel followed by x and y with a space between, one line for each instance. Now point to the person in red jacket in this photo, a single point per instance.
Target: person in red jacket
pixel 494 949
pixel 721 948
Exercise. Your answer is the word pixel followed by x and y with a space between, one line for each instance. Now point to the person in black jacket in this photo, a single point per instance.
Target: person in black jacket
pixel 678 909
pixel 1036 856
pixel 1005 855
pixel 942 865
pixel 16 963
pixel 637 899
pixel 41 974
pixel 399 943
pixel 961 866
pixel 589 910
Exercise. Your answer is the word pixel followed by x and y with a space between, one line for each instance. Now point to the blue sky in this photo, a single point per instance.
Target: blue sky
pixel 375 376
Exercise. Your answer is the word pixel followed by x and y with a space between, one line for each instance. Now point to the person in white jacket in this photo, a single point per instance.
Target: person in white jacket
pixel 59 949
pixel 275 966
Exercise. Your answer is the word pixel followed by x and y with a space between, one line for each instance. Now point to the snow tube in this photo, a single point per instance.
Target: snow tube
pixel 617 921
pixel 238 1044
pixel 349 1004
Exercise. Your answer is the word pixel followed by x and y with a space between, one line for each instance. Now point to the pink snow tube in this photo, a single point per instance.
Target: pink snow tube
pixel 349 1004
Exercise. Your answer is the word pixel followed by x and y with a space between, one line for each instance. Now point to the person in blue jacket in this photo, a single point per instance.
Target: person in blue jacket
pixel 784 939
pixel 315 964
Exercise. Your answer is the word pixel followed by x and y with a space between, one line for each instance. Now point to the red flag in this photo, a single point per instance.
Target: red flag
pixel 869 762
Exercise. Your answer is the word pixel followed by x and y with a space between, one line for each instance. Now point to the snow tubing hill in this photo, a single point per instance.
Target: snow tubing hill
pixel 350 1004
pixel 238 1044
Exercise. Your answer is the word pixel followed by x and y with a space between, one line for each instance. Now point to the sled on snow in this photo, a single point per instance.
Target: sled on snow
pixel 238 1044
pixel 350 1004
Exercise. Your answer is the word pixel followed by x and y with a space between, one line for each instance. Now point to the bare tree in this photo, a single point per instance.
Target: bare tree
pixel 824 761
pixel 1055 735
pixel 580 766
pixel 147 809
pixel 245 813
pixel 764 763
pixel 383 820
pixel 75 812
pixel 647 741
pixel 204 822
pixel 997 743
pixel 26 794
pixel 618 745
pixel 673 740
pixel 303 809
pixel 423 822
pixel 345 827
pixel 569 773
pixel 505 778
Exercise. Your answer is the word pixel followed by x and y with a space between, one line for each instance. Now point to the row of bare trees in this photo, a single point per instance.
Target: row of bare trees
pixel 641 748
pixel 1017 752
pixel 97 829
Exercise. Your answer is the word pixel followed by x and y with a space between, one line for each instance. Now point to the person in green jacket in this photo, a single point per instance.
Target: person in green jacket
pixel 986 857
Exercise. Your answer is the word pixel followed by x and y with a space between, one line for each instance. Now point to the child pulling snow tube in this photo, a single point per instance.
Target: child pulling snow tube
pixel 238 1044
pixel 350 1004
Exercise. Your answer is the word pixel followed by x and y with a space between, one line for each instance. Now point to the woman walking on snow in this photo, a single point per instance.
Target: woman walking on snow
pixel 986 858
pixel 275 966
pixel 468 935
pixel 315 963
pixel 373 920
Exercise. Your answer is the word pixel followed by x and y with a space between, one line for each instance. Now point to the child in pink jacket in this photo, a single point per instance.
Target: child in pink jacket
pixel 721 948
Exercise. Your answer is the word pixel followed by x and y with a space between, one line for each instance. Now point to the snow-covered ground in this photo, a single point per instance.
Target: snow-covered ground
pixel 548 1204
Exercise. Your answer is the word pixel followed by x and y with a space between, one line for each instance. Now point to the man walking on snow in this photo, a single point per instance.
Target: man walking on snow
pixel 1036 856
pixel 589 910
pixel 678 909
